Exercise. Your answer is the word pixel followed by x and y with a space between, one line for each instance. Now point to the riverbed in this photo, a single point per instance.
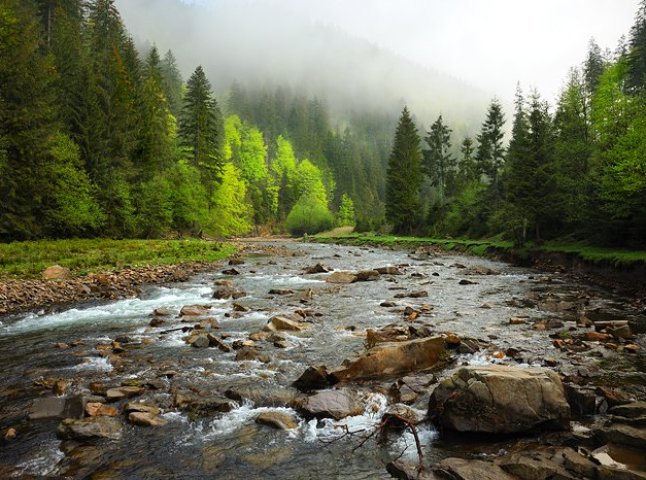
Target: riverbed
pixel 64 352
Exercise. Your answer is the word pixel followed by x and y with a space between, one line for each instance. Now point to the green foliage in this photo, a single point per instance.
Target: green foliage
pixel 189 198
pixel 345 216
pixel 404 177
pixel 439 164
pixel 309 216
pixel 231 213
pixel 155 206
pixel 490 155
pixel 202 128
pixel 72 209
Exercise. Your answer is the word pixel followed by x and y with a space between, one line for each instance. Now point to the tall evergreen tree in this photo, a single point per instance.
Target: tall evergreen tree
pixel 404 177
pixel 202 128
pixel 439 163
pixel 593 66
pixel 637 51
pixel 172 83
pixel 467 168
pixel 490 155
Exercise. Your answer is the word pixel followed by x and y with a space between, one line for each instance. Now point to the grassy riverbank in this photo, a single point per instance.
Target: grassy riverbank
pixel 29 259
pixel 592 254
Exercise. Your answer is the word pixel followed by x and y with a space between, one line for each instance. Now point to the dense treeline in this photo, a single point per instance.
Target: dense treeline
pixel 97 139
pixel 577 170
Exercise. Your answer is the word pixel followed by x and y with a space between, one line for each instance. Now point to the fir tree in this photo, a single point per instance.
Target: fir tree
pixel 439 164
pixel 637 52
pixel 491 153
pixel 404 177
pixel 202 128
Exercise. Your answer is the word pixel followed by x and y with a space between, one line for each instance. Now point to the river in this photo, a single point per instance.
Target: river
pixel 473 297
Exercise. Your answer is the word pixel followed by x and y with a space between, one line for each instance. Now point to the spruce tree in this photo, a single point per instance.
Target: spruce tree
pixel 439 163
pixel 172 83
pixel 404 177
pixel 491 153
pixel 467 168
pixel 202 128
pixel 637 52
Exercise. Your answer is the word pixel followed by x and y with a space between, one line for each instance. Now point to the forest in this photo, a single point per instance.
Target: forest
pixel 99 138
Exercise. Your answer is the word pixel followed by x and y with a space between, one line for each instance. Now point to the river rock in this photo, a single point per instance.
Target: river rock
pixel 279 323
pixel 146 419
pixel 252 354
pixel 499 399
pixel 367 275
pixel 97 409
pixel 407 471
pixel 266 396
pixel 397 358
pixel 119 393
pixel 541 464
pixel 198 341
pixel 163 312
pixel 204 403
pixel 335 404
pixel 156 322
pixel 279 420
pixel 313 378
pixel 230 271
pixel 52 407
pixel 341 277
pixel 630 410
pixel 582 400
pixel 629 435
pixel 225 292
pixel 194 310
pixel 281 291
pixel 91 427
pixel 463 469
pixel 416 294
pixel 389 271
pixel 318 268
pixel 55 272
pixel 141 407
pixel 217 343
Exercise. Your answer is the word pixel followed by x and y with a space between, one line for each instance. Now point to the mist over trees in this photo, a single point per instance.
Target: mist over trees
pixel 102 136
pixel 576 170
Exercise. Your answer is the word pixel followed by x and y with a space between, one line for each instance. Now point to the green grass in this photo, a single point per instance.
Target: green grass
pixel 476 247
pixel 29 259
pixel 594 254
pixel 587 253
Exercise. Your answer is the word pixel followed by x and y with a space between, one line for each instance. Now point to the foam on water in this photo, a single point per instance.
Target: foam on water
pixel 122 312
pixel 405 446
pixel 43 463
pixel 237 418
pixel 101 364
pixel 376 405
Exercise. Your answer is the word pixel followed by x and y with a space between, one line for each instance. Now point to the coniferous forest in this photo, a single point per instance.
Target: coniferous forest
pixel 99 138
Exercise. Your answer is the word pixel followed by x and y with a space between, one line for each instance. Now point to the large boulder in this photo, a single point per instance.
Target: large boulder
pixel 390 359
pixel 91 427
pixel 500 399
pixel 281 323
pixel 335 404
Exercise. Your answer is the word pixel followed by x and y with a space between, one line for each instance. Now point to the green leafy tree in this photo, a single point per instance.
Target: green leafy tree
pixel 283 168
pixel 202 128
pixel 232 214
pixel 190 202
pixel 345 216
pixel 404 177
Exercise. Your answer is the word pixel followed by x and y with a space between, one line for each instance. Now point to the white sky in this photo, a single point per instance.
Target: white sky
pixel 492 44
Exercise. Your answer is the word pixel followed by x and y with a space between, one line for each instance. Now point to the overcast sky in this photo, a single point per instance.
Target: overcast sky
pixel 492 44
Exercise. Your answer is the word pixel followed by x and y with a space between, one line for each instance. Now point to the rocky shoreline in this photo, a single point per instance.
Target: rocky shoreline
pixel 18 296
pixel 570 409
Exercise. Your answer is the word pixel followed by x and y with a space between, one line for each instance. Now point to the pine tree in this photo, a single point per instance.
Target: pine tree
pixel 593 66
pixel 439 163
pixel 202 128
pixel 404 177
pixel 637 52
pixel 491 153
pixel 172 83
pixel 468 170
pixel 27 121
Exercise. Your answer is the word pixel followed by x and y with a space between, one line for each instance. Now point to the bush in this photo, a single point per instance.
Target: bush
pixel 309 216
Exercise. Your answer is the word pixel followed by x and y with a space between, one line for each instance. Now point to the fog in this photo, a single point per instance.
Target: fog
pixel 437 56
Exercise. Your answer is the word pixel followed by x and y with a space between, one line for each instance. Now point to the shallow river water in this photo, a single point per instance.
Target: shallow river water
pixel 231 444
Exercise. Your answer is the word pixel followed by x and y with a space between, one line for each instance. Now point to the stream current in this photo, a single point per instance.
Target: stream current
pixel 231 445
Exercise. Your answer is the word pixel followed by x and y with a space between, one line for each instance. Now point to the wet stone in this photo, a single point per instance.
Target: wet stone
pixel 146 419
pixel 103 427
pixel 278 420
